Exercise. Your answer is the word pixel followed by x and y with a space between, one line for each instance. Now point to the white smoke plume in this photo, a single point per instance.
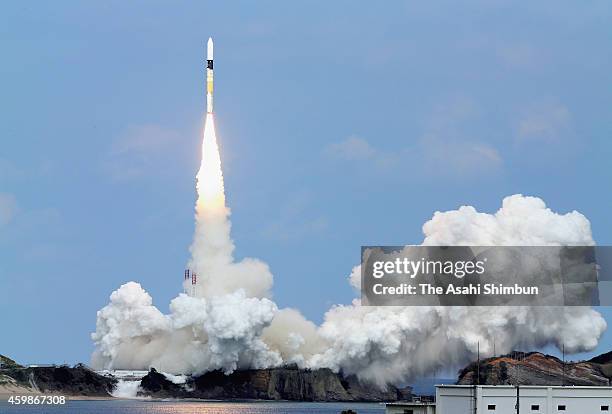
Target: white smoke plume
pixel 212 248
pixel 398 343
pixel 230 323
pixel 126 389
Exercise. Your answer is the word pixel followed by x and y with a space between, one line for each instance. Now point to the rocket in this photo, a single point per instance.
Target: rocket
pixel 209 76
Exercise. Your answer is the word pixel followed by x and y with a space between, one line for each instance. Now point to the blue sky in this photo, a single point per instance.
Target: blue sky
pixel 340 124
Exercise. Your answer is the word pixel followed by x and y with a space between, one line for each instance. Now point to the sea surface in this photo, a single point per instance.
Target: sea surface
pixel 191 407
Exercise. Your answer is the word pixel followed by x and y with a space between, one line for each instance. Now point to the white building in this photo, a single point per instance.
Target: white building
pixel 533 399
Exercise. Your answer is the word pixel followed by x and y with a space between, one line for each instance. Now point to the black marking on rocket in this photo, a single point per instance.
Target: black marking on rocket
pixel 209 64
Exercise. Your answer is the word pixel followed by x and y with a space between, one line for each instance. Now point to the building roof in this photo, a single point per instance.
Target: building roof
pixel 584 387
pixel 411 403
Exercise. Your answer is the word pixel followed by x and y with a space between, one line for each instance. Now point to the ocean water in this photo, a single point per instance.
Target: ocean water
pixel 191 407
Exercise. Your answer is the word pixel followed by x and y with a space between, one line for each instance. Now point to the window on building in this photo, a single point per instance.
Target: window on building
pixel 605 408
pixel 535 407
pixel 491 407
pixel 561 408
pixel 408 411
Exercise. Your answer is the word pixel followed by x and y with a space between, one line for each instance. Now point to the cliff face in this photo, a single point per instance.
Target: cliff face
pixel 533 368
pixel 291 383
pixel 288 383
pixel 6 362
pixel 156 384
pixel 77 380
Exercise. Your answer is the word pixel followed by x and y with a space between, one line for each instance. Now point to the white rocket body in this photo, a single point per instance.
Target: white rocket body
pixel 209 76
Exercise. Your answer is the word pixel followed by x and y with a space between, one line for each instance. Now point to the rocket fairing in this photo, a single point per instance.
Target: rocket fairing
pixel 209 76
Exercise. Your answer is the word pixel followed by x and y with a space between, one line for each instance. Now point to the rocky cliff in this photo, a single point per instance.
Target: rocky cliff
pixel 292 383
pixel 535 368
pixel 6 362
pixel 77 380
pixel 287 383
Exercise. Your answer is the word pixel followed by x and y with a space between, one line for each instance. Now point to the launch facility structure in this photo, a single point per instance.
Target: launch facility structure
pixel 190 275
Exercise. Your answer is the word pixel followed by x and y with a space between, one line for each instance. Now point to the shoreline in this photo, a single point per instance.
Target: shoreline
pixel 4 395
pixel 7 391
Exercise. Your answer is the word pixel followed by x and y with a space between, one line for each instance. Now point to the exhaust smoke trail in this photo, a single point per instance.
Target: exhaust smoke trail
pixel 220 327
pixel 212 248
pixel 209 180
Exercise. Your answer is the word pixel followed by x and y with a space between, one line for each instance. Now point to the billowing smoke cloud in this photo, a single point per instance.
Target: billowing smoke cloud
pixel 218 326
pixel 199 335
pixel 230 323
pixel 394 343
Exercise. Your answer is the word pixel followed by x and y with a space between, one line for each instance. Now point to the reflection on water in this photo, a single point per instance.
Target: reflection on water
pixel 192 407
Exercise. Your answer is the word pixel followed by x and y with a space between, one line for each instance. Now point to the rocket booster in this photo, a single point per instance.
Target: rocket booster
pixel 209 76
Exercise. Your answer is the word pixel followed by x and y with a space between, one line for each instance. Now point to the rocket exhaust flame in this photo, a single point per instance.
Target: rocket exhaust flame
pixel 212 246
pixel 211 193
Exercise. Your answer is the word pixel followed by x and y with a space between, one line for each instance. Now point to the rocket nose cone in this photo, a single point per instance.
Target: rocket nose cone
pixel 209 54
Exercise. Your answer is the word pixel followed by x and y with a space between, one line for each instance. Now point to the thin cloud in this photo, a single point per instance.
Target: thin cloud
pixel 352 148
pixel 141 149
pixel 445 148
pixel 462 158
pixel 295 220
pixel 355 148
pixel 548 123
